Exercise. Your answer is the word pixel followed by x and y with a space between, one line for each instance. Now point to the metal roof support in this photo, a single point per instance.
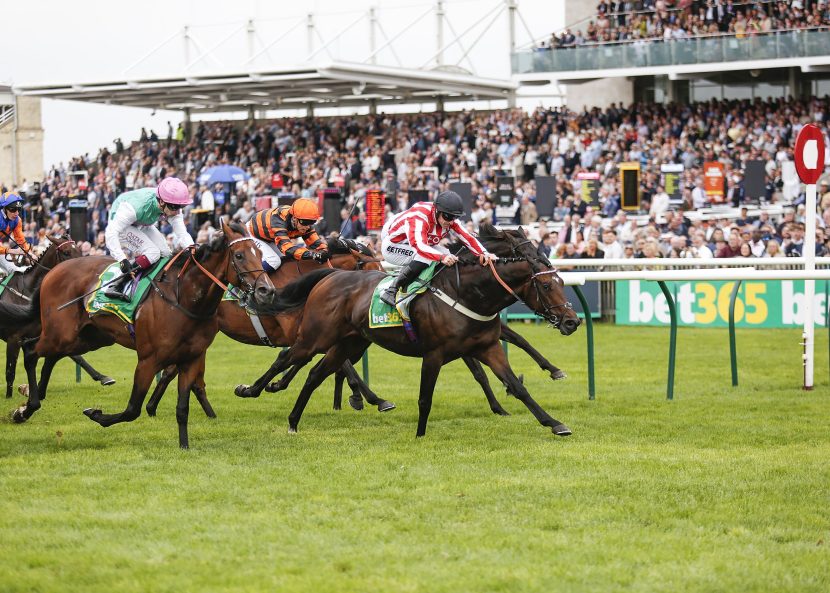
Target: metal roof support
pixel 391 47
pixel 452 30
pixel 482 34
pixel 277 40
pixel 498 7
pixel 309 32
pixel 406 28
pixel 373 20
pixel 207 52
pixel 439 32
pixel 155 49
pixel 511 23
pixel 251 30
pixel 336 37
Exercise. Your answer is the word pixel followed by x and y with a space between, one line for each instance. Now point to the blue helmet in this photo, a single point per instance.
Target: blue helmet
pixel 10 198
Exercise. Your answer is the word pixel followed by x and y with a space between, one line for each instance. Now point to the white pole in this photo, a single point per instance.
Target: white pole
pixel 809 255
pixel 439 32
pixel 372 25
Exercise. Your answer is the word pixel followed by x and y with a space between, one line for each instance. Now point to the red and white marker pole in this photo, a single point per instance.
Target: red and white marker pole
pixel 809 163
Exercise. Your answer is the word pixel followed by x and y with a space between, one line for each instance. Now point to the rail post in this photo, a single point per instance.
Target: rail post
pixel 733 349
pixel 672 338
pixel 589 330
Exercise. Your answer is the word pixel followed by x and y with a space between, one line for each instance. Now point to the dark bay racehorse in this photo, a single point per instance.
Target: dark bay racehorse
pixel 342 332
pixel 19 290
pixel 282 330
pixel 175 324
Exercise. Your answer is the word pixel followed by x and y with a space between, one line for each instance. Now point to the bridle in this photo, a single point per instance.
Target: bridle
pixel 247 287
pixel 552 313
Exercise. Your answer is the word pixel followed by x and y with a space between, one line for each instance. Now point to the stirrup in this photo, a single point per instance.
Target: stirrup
pixel 387 295
pixel 116 294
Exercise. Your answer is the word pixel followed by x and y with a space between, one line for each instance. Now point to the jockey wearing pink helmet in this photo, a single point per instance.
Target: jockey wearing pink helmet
pixel 132 224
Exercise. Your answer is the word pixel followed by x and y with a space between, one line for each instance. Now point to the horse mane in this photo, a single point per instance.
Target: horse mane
pixel 294 294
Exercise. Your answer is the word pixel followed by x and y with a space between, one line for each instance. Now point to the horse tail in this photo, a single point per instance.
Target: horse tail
pixel 21 314
pixel 294 295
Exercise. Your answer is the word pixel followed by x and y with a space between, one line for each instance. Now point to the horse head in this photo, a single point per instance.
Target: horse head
pixel 351 255
pixel 61 248
pixel 544 290
pixel 245 264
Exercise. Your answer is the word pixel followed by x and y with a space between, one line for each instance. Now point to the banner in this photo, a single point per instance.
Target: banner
pixel 755 180
pixel 417 195
pixel 589 187
pixel 673 181
pixel 714 181
pixel 630 185
pixel 505 191
pixel 545 196
pixel 768 304
pixel 374 209
pixel 465 192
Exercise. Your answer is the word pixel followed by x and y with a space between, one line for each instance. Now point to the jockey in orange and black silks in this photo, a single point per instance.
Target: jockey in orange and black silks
pixel 274 231
pixel 11 230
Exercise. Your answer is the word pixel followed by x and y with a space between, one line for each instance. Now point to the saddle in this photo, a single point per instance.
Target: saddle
pixel 382 315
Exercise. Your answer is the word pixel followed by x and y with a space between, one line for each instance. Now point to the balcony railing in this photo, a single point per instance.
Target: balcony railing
pixel 696 50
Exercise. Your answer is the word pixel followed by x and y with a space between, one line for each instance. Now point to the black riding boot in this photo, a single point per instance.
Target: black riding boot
pixel 407 276
pixel 118 290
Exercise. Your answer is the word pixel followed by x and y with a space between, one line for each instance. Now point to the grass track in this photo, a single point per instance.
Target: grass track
pixel 721 490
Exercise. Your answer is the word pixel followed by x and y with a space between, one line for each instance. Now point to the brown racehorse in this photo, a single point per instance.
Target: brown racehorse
pixel 445 333
pixel 235 323
pixel 175 324
pixel 19 290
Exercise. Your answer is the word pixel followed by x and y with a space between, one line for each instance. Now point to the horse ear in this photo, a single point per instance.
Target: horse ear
pixel 486 229
pixel 226 229
pixel 522 232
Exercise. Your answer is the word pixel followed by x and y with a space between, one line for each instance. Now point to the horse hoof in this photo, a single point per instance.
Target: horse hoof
pixel 292 430
pixel 274 387
pixel 386 406
pixel 17 416
pixel 501 412
pixel 151 412
pixel 92 414
pixel 356 402
pixel 561 430
pixel 23 389
pixel 244 391
pixel 559 375
pixel 107 381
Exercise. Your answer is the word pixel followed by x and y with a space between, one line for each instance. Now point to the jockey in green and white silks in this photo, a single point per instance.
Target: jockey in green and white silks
pixel 131 225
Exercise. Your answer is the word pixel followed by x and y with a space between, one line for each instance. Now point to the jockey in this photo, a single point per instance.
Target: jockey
pixel 275 229
pixel 11 228
pixel 412 238
pixel 131 221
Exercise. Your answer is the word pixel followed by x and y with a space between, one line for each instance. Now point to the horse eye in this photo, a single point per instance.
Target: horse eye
pixel 546 286
pixel 238 256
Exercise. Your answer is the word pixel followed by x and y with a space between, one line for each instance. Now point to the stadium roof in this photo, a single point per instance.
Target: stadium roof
pixel 336 84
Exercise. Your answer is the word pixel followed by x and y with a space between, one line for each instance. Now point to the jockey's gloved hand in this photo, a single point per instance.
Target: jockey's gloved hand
pixel 307 255
pixel 352 245
pixel 321 256
pixel 126 266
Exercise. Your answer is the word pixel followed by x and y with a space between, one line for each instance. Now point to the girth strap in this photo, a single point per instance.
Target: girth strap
pixel 442 296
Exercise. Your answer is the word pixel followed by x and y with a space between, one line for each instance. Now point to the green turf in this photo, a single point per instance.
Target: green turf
pixel 723 489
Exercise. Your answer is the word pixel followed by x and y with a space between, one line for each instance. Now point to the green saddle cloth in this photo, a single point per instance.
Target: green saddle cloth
pixel 383 315
pixel 101 303
pixel 5 282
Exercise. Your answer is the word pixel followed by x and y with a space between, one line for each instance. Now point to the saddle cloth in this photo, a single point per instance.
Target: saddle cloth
pixel 101 303
pixel 382 315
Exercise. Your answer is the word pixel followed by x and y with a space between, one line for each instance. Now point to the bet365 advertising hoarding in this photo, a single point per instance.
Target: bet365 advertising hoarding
pixel 706 304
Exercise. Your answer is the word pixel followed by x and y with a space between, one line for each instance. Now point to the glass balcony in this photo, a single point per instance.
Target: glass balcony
pixel 701 50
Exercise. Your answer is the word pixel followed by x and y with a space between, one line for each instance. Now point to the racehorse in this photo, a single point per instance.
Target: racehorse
pixel 18 291
pixel 235 323
pixel 175 324
pixel 445 333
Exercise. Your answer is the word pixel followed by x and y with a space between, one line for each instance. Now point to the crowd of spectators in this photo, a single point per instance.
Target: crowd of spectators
pixel 398 153
pixel 670 20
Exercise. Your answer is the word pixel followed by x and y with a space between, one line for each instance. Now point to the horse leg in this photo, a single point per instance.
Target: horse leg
pixel 512 337
pixel 495 358
pixel 12 352
pixel 32 405
pixel 90 370
pixel 430 368
pixel 332 361
pixel 284 381
pixel 167 375
pixel 339 377
pixel 49 363
pixel 480 376
pixel 282 362
pixel 189 372
pixel 142 379
pixel 359 386
pixel 200 391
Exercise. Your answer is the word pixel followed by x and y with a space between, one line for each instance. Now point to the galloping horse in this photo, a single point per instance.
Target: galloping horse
pixel 174 325
pixel 18 291
pixel 343 332
pixel 236 324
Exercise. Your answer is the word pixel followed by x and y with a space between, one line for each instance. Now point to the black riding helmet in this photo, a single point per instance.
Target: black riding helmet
pixel 450 203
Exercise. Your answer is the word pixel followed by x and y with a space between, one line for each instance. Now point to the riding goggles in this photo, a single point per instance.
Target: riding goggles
pixel 306 221
pixel 13 208
pixel 173 206
pixel 448 217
